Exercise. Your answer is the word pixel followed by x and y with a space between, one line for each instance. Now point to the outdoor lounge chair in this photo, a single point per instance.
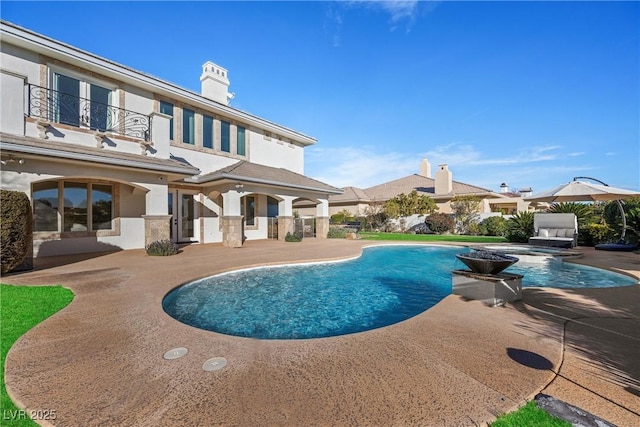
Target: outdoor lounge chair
pixel 555 229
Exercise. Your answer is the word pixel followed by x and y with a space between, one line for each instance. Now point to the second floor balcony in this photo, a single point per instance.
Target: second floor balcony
pixel 68 109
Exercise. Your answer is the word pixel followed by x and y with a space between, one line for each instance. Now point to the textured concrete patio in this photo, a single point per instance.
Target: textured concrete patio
pixel 99 362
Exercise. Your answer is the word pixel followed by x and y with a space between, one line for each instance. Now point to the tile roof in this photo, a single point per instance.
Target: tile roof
pixel 351 194
pixel 253 172
pixel 406 185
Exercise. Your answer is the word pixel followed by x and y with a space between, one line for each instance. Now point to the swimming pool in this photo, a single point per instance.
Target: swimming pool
pixel 386 285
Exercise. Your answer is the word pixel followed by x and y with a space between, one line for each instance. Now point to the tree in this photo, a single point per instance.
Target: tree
pixel 466 210
pixel 406 205
pixel 375 215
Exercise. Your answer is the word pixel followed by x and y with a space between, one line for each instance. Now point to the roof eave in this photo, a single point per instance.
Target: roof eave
pixel 203 179
pixel 95 158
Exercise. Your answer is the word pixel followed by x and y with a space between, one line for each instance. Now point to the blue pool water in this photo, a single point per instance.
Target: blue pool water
pixel 386 285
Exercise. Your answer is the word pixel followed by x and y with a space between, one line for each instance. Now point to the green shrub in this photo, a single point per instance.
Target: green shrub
pixel 342 217
pixel 520 227
pixel 440 223
pixel 613 218
pixel 339 232
pixel 295 237
pixel 162 248
pixel 493 226
pixel 593 234
pixel 16 230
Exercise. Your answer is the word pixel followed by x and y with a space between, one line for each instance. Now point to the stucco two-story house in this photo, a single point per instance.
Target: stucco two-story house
pixel 113 158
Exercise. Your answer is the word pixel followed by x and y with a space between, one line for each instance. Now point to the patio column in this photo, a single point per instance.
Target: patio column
pixel 232 221
pixel 322 218
pixel 285 217
pixel 156 218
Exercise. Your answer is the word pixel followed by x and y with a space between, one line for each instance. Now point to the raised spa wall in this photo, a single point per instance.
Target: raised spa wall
pixel 492 290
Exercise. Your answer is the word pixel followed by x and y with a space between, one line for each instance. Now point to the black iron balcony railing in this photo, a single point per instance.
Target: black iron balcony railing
pixel 72 110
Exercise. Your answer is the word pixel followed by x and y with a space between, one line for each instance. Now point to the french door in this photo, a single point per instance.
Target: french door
pixel 183 223
pixel 79 103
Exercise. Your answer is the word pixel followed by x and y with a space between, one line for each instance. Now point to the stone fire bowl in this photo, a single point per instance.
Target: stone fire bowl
pixel 485 262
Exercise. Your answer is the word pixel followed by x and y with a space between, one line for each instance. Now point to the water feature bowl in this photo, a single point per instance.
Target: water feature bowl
pixel 486 262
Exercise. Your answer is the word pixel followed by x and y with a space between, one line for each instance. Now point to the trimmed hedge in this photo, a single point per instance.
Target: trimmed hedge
pixel 16 229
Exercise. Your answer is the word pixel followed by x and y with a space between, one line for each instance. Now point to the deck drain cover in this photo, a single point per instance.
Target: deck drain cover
pixel 214 364
pixel 175 353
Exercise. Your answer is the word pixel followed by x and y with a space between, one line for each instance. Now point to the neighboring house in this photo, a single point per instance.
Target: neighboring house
pixel 113 158
pixel 442 189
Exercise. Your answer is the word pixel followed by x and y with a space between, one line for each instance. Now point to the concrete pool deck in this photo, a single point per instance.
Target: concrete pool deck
pixel 99 361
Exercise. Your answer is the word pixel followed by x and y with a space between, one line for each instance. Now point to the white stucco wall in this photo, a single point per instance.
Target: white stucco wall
pixel 20 61
pixel 275 153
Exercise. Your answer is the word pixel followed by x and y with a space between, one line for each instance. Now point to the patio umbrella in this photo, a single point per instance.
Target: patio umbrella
pixel 582 191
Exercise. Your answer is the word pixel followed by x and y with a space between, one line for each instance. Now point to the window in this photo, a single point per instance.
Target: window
pixel 85 206
pixel 207 131
pixel 248 210
pixel 188 126
pixel 81 103
pixel 101 206
pixel 225 136
pixel 167 108
pixel 75 207
pixel 241 142
pixel 45 206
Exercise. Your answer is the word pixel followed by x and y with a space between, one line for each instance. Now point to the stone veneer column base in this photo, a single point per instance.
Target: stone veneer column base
pixel 322 226
pixel 156 227
pixel 285 225
pixel 232 231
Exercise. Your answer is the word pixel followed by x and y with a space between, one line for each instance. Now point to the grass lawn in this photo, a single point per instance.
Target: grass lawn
pixel 368 235
pixel 529 416
pixel 21 308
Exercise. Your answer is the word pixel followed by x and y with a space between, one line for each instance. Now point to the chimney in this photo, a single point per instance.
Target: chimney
pixel 504 188
pixel 215 83
pixel 526 192
pixel 444 181
pixel 425 168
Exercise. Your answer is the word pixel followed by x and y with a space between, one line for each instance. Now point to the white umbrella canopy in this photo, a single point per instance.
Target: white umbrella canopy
pixel 581 191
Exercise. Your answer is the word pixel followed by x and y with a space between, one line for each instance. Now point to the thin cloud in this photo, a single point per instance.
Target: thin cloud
pixel 466 155
pixel 401 13
pixel 358 166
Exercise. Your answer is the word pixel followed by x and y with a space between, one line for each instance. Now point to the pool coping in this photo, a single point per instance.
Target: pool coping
pixel 76 362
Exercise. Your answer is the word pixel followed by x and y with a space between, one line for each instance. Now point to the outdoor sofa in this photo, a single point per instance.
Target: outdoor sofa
pixel 555 229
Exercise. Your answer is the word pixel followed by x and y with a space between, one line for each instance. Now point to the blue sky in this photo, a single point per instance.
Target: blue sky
pixel 527 93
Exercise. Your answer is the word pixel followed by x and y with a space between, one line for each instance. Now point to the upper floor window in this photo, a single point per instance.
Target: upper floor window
pixel 225 136
pixel 81 103
pixel 167 108
pixel 241 145
pixel 188 126
pixel 207 131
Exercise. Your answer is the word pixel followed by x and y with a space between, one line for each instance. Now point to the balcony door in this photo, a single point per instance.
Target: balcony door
pixel 183 223
pixel 79 103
